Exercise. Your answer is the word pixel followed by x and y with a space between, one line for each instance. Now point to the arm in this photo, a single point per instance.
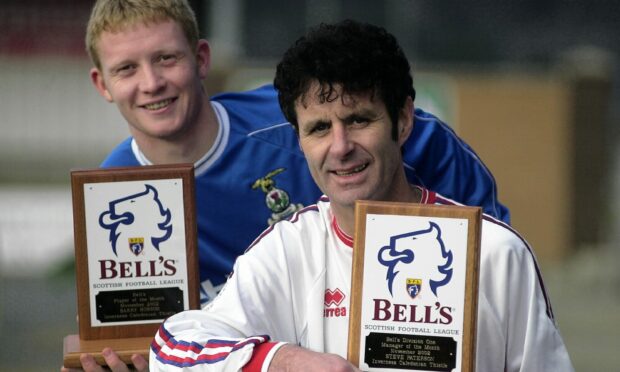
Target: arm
pixel 190 340
pixel 279 357
pixel 437 159
pixel 296 359
pixel 237 328
pixel 221 337
pixel 518 309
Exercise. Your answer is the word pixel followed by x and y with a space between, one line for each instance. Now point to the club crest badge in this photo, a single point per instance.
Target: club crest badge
pixel 136 245
pixel 277 200
pixel 414 286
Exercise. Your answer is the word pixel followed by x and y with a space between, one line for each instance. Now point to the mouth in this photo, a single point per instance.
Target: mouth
pixel 158 105
pixel 348 172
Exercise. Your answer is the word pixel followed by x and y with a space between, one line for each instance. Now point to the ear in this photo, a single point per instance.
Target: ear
pixel 96 76
pixel 203 58
pixel 405 121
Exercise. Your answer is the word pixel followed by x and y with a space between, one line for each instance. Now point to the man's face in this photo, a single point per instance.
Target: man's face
pixel 154 77
pixel 349 147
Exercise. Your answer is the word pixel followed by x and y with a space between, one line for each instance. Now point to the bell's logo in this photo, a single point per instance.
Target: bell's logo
pixel 133 217
pixel 399 257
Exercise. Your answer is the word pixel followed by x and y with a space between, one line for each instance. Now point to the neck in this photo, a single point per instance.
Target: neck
pixel 188 146
pixel 345 214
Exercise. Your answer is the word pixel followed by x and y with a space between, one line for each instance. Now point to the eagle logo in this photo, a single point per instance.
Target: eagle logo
pixel 404 255
pixel 137 215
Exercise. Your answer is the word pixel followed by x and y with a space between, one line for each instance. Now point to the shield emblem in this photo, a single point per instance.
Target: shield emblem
pixel 136 245
pixel 414 286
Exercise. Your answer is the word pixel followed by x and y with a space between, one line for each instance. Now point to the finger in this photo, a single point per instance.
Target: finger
pixel 89 364
pixel 140 363
pixel 113 361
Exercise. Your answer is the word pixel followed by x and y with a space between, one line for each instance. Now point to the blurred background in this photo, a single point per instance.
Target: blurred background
pixel 532 85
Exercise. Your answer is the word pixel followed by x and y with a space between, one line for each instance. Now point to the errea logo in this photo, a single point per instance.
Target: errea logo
pixel 333 299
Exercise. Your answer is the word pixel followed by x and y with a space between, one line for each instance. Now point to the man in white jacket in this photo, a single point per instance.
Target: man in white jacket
pixel 348 91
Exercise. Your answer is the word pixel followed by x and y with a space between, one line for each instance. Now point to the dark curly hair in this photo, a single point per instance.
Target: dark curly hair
pixel 360 57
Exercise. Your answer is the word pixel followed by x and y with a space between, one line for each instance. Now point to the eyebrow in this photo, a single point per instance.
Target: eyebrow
pixel 307 126
pixel 113 68
pixel 363 112
pixel 162 50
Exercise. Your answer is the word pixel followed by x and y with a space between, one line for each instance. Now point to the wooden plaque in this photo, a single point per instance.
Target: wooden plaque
pixel 414 287
pixel 135 256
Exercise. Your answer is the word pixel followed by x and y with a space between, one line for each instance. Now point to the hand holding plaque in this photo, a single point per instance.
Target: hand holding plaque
pixel 414 287
pixel 135 248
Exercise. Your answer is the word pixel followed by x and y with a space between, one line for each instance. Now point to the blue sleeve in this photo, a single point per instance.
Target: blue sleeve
pixel 437 159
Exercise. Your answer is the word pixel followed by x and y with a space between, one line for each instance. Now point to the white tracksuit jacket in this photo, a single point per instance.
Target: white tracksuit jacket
pixel 293 286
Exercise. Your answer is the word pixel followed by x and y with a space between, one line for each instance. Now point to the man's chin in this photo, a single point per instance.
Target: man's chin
pixel 348 199
pixel 165 134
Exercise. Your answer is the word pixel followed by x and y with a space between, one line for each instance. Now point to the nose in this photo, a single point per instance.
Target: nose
pixel 151 81
pixel 341 144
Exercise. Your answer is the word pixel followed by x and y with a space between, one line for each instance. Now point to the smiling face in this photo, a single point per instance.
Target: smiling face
pixel 154 77
pixel 349 147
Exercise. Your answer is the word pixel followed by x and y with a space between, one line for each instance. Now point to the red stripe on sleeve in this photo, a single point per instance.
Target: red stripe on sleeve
pixel 258 357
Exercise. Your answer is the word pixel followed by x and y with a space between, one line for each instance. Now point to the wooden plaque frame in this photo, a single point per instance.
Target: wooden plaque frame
pixel 131 338
pixel 473 215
